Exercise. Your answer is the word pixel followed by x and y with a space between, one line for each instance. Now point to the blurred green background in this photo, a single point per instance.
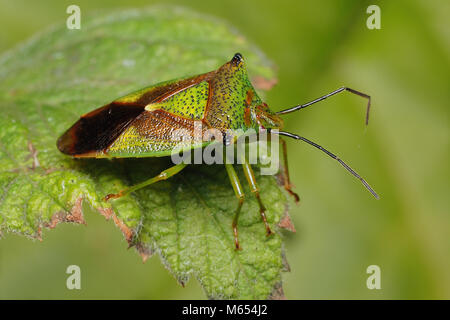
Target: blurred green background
pixel 341 229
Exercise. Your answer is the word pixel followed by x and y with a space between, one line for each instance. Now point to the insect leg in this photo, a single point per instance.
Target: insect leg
pixel 287 179
pixel 255 190
pixel 162 176
pixel 234 179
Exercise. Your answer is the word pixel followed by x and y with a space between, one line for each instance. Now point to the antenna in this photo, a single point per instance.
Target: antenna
pixel 347 167
pixel 329 95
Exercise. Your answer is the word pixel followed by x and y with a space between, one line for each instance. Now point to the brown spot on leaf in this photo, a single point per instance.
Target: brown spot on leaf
pixel 263 83
pixel 108 213
pixel 33 153
pixel 39 233
pixel 50 170
pixel 277 292
pixel 286 266
pixel 145 251
pixel 286 223
pixel 75 216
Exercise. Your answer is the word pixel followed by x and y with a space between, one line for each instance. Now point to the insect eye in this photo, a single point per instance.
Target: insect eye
pixel 237 58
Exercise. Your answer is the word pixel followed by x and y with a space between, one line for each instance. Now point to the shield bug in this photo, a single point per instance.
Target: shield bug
pixel 140 125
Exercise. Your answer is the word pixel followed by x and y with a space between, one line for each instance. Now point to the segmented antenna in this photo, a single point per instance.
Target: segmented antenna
pixel 332 155
pixel 301 106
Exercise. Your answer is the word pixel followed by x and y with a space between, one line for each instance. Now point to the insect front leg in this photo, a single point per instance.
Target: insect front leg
pixel 255 190
pixel 287 179
pixel 166 174
pixel 240 195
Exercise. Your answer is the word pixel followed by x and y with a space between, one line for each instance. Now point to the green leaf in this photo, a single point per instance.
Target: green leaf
pixel 45 86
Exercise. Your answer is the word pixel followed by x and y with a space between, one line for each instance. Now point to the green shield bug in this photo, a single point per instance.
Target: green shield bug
pixel 141 124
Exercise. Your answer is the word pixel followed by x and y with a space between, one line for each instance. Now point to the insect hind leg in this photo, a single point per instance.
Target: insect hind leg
pixel 166 174
pixel 255 190
pixel 241 197
pixel 286 178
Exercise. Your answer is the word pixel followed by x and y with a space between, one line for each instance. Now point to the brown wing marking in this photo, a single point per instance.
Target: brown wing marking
pixel 98 129
pixel 160 124
pixel 152 131
pixel 95 131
